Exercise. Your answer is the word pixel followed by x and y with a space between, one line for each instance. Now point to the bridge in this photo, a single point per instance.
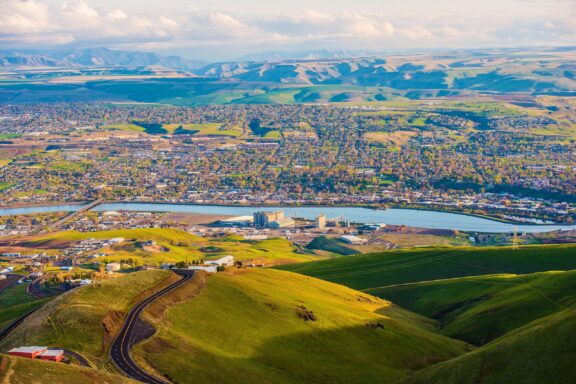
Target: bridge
pixel 57 225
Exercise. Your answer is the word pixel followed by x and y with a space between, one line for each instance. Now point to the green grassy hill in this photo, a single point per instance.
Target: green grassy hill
pixel 323 243
pixel 541 352
pixel 480 309
pixel 269 326
pixel 87 319
pixel 409 266
pixel 28 371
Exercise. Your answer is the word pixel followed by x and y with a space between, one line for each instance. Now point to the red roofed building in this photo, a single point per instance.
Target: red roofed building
pixel 30 352
pixel 53 354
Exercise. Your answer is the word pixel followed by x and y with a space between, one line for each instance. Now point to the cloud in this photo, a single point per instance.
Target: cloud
pixel 33 23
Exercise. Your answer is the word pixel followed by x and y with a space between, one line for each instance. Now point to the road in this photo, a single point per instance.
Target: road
pixel 120 351
pixel 57 225
pixel 6 331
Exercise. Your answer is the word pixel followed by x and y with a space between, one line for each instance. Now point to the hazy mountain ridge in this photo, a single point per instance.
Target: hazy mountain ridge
pixel 93 57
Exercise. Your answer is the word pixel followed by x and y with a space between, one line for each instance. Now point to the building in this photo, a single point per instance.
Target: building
pixel 15 255
pixel 320 221
pixel 209 269
pixel 263 219
pixel 286 222
pixel 53 355
pixel 354 240
pixel 224 261
pixel 113 267
pixel 30 352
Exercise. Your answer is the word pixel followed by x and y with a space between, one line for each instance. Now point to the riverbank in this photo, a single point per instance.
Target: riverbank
pixel 433 219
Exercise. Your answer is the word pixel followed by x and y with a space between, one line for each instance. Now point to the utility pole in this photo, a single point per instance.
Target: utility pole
pixel 515 239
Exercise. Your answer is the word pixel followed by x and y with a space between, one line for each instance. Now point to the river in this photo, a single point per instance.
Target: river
pixel 409 217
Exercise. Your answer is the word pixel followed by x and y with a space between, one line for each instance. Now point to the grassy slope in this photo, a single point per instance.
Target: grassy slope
pixel 15 302
pixel 245 328
pixel 541 352
pixel 86 319
pixel 181 246
pixel 480 309
pixel 323 243
pixel 407 266
pixel 28 371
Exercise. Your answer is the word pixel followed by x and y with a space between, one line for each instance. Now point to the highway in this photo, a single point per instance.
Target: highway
pixel 120 351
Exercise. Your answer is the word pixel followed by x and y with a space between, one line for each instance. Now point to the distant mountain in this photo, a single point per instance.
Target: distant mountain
pixel 93 57
pixel 310 55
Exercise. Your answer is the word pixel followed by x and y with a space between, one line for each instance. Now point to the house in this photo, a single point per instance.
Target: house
pixel 224 261
pixel 30 352
pixel 354 240
pixel 53 355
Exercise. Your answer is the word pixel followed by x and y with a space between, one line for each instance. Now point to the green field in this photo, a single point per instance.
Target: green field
pixel 124 127
pixel 255 327
pixel 86 319
pixel 208 129
pixel 417 265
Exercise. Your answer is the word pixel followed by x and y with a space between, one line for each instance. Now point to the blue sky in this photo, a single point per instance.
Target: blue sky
pixel 226 29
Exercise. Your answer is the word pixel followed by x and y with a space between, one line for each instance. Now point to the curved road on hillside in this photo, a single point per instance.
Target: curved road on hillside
pixel 120 351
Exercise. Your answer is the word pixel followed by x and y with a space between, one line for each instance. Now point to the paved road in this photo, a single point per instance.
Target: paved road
pixel 6 331
pixel 120 351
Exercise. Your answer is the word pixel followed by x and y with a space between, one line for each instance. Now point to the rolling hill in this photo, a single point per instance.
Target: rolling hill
pixel 86 319
pixel 482 308
pixel 540 352
pixel 268 326
pixel 418 265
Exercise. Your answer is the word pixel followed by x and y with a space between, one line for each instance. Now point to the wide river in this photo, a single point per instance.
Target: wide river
pixel 410 217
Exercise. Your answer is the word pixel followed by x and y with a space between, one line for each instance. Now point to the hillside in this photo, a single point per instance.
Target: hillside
pixel 14 370
pixel 142 77
pixel 481 309
pixel 86 319
pixel 267 326
pixel 91 57
pixel 541 352
pixel 418 265
pixel 172 246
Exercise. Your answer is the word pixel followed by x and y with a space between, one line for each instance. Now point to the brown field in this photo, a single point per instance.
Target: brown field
pixel 396 138
pixel 192 218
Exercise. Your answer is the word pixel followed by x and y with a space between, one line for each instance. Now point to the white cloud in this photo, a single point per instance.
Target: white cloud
pixel 30 23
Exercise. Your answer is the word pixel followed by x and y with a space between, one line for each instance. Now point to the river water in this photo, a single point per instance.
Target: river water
pixel 410 217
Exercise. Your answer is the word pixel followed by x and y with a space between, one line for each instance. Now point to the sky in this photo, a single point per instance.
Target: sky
pixel 227 30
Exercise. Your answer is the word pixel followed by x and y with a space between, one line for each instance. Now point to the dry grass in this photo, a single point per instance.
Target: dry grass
pixel 396 137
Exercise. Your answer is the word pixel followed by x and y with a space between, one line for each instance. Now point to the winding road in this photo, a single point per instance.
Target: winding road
pixel 120 351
